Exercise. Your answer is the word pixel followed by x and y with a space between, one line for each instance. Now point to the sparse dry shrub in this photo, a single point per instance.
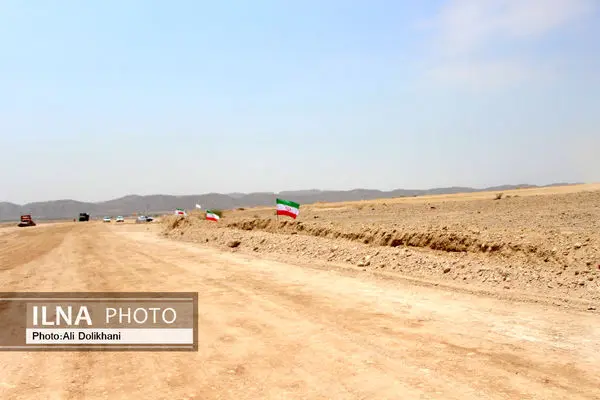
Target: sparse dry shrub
pixel 498 196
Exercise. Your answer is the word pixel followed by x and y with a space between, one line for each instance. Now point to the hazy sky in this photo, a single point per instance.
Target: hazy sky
pixel 101 99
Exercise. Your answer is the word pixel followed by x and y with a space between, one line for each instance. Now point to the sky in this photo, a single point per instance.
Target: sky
pixel 108 98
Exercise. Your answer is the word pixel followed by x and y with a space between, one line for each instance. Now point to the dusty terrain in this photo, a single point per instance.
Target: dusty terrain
pixel 298 311
pixel 542 244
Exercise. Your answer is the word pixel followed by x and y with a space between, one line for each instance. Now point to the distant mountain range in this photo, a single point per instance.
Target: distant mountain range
pixel 156 204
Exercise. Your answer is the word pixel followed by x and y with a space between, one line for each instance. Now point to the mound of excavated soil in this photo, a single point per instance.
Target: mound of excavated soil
pixel 548 244
pixel 435 240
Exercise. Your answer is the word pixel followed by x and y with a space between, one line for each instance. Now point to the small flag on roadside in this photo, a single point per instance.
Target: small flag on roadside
pixel 179 211
pixel 288 208
pixel 211 216
pixel 198 206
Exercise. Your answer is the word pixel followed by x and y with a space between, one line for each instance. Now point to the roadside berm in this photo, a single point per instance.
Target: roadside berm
pixel 545 246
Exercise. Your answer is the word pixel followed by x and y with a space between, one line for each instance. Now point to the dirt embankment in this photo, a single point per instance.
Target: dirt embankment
pixel 544 244
pixel 378 236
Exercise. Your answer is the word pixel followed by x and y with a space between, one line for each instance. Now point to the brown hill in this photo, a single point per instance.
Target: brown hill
pixel 156 204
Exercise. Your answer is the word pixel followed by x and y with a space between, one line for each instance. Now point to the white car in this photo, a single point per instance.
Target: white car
pixel 120 219
pixel 106 219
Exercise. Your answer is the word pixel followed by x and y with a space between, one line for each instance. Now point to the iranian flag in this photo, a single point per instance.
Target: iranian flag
pixel 211 216
pixel 179 211
pixel 289 208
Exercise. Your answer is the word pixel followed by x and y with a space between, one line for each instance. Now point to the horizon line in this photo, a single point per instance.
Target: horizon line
pixel 298 190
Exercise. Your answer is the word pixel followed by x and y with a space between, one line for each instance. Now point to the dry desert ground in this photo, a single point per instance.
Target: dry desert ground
pixel 439 297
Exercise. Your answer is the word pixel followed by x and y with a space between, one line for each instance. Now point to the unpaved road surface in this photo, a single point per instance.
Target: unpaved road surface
pixel 274 330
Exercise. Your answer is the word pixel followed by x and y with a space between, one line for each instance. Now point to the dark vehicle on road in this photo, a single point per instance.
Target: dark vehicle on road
pixel 26 221
pixel 84 217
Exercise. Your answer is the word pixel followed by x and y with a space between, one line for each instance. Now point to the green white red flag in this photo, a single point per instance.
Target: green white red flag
pixel 211 216
pixel 287 208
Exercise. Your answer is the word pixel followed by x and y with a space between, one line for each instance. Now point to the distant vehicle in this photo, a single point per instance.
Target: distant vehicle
pixel 26 221
pixel 106 219
pixel 119 219
pixel 84 217
pixel 143 218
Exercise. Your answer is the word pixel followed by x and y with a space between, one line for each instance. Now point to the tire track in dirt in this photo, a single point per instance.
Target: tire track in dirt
pixel 400 334
pixel 28 244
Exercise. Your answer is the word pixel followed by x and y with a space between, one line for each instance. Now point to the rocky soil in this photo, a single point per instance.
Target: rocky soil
pixel 545 245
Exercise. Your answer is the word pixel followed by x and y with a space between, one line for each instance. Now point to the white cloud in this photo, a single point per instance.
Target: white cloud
pixel 468 33
pixel 466 26
pixel 478 76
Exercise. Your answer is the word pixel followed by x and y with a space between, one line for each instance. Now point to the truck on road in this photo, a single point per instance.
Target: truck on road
pixel 26 221
pixel 84 217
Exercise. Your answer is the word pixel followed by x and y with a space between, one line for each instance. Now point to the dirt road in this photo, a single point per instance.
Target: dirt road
pixel 271 330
